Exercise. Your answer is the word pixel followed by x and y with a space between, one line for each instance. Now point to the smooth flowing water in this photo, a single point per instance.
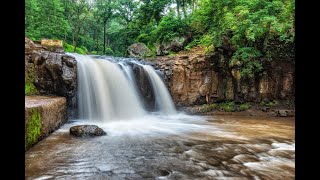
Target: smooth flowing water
pixel 104 91
pixel 157 144
pixel 163 98
pixel 219 147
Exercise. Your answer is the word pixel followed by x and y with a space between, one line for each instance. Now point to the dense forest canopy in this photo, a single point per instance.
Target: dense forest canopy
pixel 108 27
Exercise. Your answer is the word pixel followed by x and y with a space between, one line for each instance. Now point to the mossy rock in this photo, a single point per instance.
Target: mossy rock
pixel 30 88
pixel 33 127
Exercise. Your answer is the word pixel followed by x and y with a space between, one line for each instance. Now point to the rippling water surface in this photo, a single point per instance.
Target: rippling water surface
pixel 170 147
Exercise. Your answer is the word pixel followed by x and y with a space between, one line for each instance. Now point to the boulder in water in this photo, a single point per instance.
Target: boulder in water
pixel 86 130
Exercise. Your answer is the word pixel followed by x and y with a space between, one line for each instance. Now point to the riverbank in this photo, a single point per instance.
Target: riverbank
pixel 245 109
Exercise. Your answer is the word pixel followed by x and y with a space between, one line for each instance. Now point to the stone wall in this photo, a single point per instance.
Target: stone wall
pixel 43 115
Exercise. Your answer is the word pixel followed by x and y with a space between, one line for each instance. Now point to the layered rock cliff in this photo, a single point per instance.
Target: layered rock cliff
pixel 196 78
pixel 50 72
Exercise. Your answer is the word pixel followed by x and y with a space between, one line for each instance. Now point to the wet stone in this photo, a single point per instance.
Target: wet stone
pixel 86 130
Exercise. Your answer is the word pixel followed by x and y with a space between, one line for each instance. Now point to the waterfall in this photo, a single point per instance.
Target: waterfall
pixel 107 89
pixel 163 98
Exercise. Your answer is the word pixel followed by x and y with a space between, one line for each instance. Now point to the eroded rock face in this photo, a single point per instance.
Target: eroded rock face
pixel 194 78
pixel 86 130
pixel 139 50
pixel 52 73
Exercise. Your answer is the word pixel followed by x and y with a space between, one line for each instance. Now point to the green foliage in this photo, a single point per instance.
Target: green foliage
pixel 70 48
pixel 169 27
pixel 94 53
pixel 244 106
pixel 247 59
pixel 270 104
pixel 193 43
pixel 45 19
pixel 205 41
pixel 30 89
pixel 225 106
pixel 228 106
pixel 33 127
pixel 31 11
pixel 251 26
pixel 209 107
pixel 109 51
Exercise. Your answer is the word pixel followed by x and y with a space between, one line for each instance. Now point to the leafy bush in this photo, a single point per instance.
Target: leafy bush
pixel 70 48
pixel 244 106
pixel 171 26
pixel 228 106
pixel 269 103
pixel 94 52
pixel 209 107
pixel 247 58
pixel 109 51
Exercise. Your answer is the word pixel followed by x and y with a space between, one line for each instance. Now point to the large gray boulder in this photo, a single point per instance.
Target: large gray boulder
pixel 175 45
pixel 139 50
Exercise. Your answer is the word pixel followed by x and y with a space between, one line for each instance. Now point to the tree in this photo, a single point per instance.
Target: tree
pixel 51 22
pixel 105 9
pixel 31 18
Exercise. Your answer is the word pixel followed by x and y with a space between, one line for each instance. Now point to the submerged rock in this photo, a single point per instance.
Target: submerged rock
pixel 86 130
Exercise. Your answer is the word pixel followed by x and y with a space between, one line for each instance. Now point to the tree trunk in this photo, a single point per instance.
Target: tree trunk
pixel 235 86
pixel 77 38
pixel 104 38
pixel 178 8
pixel 184 9
pixel 72 38
pixel 266 39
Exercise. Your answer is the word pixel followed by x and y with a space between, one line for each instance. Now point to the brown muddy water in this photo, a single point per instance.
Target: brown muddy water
pixel 193 147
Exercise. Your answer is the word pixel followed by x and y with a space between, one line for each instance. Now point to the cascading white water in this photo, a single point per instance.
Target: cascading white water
pixel 107 90
pixel 104 91
pixel 163 98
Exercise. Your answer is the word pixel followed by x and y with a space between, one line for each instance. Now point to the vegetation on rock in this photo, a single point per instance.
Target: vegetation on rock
pixel 33 127
pixel 224 106
pixel 30 89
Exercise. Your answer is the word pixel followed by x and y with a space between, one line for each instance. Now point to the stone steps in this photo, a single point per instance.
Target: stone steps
pixel 43 115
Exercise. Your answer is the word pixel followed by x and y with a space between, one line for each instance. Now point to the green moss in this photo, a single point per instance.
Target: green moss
pixel 30 89
pixel 33 127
